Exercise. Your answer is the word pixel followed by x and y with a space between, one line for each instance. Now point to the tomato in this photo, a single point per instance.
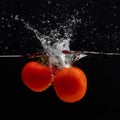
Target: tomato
pixel 70 84
pixel 36 76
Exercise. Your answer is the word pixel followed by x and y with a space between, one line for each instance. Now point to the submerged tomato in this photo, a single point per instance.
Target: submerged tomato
pixel 36 76
pixel 70 84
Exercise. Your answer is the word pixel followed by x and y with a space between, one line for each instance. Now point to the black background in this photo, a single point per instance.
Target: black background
pixel 103 94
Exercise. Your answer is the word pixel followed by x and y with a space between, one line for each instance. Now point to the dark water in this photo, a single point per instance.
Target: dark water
pixel 99 31
pixel 100 102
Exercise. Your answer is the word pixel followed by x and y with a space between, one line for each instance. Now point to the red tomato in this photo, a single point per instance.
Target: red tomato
pixel 70 84
pixel 36 76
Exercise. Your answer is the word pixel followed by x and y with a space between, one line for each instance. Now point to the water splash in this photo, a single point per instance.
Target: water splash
pixel 56 43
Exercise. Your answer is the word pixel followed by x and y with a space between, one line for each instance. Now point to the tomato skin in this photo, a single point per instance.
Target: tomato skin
pixel 70 84
pixel 36 76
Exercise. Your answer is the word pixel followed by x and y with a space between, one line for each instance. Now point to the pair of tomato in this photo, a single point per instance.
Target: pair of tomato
pixel 70 84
